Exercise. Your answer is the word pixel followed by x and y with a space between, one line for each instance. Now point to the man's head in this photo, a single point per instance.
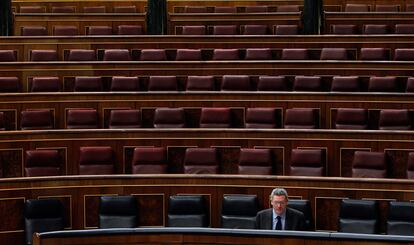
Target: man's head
pixel 279 200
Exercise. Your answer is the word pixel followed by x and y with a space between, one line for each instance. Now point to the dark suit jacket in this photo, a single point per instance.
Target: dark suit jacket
pixel 294 220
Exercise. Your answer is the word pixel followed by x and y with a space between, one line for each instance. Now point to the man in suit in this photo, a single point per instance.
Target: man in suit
pixel 280 217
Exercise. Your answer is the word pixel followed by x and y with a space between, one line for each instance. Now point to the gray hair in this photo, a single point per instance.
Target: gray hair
pixel 279 192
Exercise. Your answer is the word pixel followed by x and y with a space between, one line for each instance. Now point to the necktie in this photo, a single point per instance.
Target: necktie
pixel 278 223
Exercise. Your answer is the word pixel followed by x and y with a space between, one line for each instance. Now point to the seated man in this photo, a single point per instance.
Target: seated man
pixel 280 217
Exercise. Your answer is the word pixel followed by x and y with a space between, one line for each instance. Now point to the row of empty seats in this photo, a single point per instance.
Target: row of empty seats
pixel 35 9
pixel 295 118
pixel 361 7
pixel 237 9
pixel 68 30
pixel 211 83
pixel 371 29
pixel 98 160
pixel 237 212
pixel 237 30
pixel 399 54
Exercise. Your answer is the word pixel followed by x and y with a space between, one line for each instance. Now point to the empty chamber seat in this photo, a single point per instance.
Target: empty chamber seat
pixel 63 9
pixel 82 55
pixel 129 30
pixel 32 9
pixel 286 30
pixel 382 84
pixel 295 54
pixel 255 161
pixel 42 163
pixel 125 9
pixel 288 8
pixel 215 118
pixel 116 55
pixel 200 83
pixel 301 118
pixel 369 164
pixel 2 128
pixel 201 161
pixel 410 166
pixel 404 54
pixel 195 9
pixel 358 216
pixel 351 118
pixel 153 55
pixel 94 9
pixel 256 9
pixel 34 31
pixel 119 83
pixel 255 30
pixel 46 84
pixel 36 119
pixel 272 83
pixel 43 55
pixel 96 160
pixel 258 54
pixel 194 30
pixel 226 54
pixel 342 29
pixel 9 85
pixel 150 160
pixel 375 29
pixel 307 162
pixel 187 211
pixel 65 30
pixel 404 29
pixel 334 54
pixel 261 118
pixel 239 211
pixel 188 54
pixel 82 119
pixel 400 219
pixel 409 87
pixel 235 83
pixel 8 56
pixel 225 30
pixel 356 8
pixel 169 118
pixel 307 83
pixel 118 212
pixel 162 83
pixel 88 84
pixel 345 84
pixel 394 119
pixel 125 119
pixel 225 9
pixel 99 30
pixel 387 8
pixel 374 54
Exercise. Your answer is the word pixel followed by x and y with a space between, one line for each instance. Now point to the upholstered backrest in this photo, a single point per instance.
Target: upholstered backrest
pixel 394 119
pixel 294 54
pixel 88 84
pixel 194 30
pixel 307 83
pixel 225 30
pixel 7 55
pixel 43 55
pixel 239 211
pixel 65 30
pixel 258 54
pixel 96 160
pixel 42 163
pixel 375 29
pixel 36 119
pixel 303 206
pixel 286 30
pixel 382 84
pixel 149 160
pixel 119 83
pixel 125 119
pixel 82 118
pixel 272 83
pixel 404 54
pixel 374 54
pixel 235 83
pixel 307 162
pixel 410 166
pixel 153 54
pixel 201 161
pixel 34 31
pixel 187 211
pixel 351 118
pixel 116 55
pixel 255 30
pixel 369 164
pixel 261 118
pixel 200 83
pixel 255 161
pixel 358 216
pixel 162 83
pixel 226 54
pixel 82 55
pixel 99 30
pixel 46 84
pixel 356 7
pixel 334 54
pixel 188 54
pixel 303 118
pixel 129 30
pixel 400 219
pixel 345 84
pixel 118 212
pixel 9 85
pixel 342 29
pixel 169 118
pixel 215 118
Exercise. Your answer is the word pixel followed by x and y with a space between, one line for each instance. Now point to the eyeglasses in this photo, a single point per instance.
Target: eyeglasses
pixel 282 203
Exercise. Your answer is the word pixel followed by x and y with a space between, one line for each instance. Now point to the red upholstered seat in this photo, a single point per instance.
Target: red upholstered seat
pixel 382 84
pixel 32 9
pixel 195 9
pixel 288 8
pixel 225 9
pixel 307 162
pixel 307 83
pixel 256 9
pixel 188 54
pixel 235 83
pixel 99 30
pixel 334 54
pixel 225 30
pixel 9 85
pixel 344 29
pixel 8 56
pixel 96 160
pixel 129 30
pixel 374 54
pixel 120 83
pixel 43 55
pixel 226 54
pixel 255 30
pixel 82 55
pixel 201 161
pixel 404 54
pixel 351 118
pixel 369 164
pixel 272 83
pixel 258 54
pixel 409 88
pixel 387 8
pixel 294 54
pixel 345 84
pixel 162 83
pixel 82 119
pixel 394 119
pixel 356 8
pixel 36 119
pixel 410 166
pixel 169 118
pixel 125 119
pixel 215 118
pixel 261 118
pixel 34 31
pixel 301 118
pixel 409 7
pixel 200 83
pixel 94 9
pixel 88 84
pixel 2 128
pixel 46 84
pixel 286 30
pixel 65 31
pixel 255 161
pixel 194 30
pixel 125 9
pixel 42 163
pixel 153 55
pixel 150 160
pixel 375 29
pixel 404 29
pixel 117 55
pixel 63 9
